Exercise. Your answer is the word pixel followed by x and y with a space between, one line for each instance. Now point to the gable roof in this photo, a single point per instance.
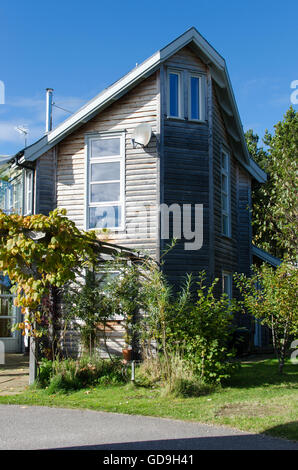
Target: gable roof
pixel 219 74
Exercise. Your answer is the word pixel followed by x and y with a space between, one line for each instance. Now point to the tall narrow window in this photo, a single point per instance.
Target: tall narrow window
pixel 17 195
pixel 174 94
pixel 225 194
pixel 227 284
pixel 196 98
pixel 28 192
pixel 105 181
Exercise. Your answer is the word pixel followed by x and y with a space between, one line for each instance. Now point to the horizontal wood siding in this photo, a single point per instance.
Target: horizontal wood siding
pixel 225 249
pixel 185 175
pixel 45 187
pixel 244 221
pixel 71 344
pixel 138 106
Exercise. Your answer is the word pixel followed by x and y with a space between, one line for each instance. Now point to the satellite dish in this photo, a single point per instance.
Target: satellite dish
pixel 142 135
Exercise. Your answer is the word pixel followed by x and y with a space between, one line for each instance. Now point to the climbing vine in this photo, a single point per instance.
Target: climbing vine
pixel 40 253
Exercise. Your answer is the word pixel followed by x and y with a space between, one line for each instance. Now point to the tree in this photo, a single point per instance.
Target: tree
pixel 41 254
pixel 259 154
pixel 271 296
pixel 275 203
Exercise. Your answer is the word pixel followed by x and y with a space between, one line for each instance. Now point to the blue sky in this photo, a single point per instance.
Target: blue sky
pixel 80 47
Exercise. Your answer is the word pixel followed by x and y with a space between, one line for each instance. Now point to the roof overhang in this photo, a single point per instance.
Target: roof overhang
pixel 264 256
pixel 219 73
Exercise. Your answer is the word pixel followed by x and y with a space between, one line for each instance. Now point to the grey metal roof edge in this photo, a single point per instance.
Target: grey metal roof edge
pixel 255 170
pixel 265 256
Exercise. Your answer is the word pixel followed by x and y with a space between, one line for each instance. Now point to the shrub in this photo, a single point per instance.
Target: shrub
pixel 196 320
pixel 176 376
pixel 45 373
pixel 70 374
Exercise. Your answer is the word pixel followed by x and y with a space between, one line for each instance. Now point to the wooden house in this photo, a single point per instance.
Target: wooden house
pixel 196 157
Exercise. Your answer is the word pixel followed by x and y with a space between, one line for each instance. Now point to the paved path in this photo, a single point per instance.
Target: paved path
pixel 14 374
pixel 35 427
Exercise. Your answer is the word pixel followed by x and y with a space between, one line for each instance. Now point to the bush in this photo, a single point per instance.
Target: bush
pixel 196 320
pixel 175 376
pixel 45 373
pixel 70 374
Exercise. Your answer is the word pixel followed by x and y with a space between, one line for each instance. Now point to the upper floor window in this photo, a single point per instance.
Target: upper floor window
pixel 105 181
pixel 225 194
pixel 196 98
pixel 174 94
pixel 183 84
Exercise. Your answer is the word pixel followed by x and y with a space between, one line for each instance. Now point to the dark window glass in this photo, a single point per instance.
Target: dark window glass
pixel 174 94
pixel 195 98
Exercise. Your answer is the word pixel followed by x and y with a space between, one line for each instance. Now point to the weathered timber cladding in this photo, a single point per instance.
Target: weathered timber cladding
pixel 45 184
pixel 137 106
pixel 225 249
pixel 72 346
pixel 244 221
pixel 185 173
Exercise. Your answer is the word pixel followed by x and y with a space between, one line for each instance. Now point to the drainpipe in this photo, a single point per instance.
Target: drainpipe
pixel 49 104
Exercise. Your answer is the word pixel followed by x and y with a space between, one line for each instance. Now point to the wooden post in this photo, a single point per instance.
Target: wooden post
pixel 32 360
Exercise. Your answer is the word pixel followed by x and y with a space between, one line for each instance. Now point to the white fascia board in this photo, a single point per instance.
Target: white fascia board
pixel 106 95
pixel 192 35
pixel 93 106
pixel 113 92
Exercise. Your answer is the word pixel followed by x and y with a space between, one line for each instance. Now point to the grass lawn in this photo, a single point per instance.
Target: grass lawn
pixel 256 399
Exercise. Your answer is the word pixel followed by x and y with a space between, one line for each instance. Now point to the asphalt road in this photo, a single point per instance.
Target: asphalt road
pixel 35 427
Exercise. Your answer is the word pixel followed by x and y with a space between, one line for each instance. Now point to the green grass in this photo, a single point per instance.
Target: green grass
pixel 256 399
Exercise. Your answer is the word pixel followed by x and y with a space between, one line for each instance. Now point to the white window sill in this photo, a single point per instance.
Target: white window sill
pixel 177 118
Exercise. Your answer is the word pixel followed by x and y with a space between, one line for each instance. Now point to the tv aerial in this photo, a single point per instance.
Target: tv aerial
pixel 23 131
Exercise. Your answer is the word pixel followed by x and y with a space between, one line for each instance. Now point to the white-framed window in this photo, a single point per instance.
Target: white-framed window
pixel 196 97
pixel 105 188
pixel 6 193
pixel 17 195
pixel 225 194
pixel 175 98
pixel 227 285
pixel 28 191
